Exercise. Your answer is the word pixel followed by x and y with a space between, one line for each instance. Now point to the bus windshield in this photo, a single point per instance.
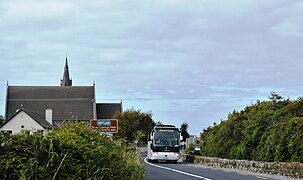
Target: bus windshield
pixel 166 137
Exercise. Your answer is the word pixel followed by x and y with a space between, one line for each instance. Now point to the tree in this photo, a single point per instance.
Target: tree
pixel 265 131
pixel 1 120
pixel 159 123
pixel 275 97
pixel 134 125
pixel 183 130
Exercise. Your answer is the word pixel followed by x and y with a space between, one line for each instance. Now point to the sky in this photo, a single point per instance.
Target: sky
pixel 190 61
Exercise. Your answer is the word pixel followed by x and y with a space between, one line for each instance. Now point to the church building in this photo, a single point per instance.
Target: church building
pixel 50 106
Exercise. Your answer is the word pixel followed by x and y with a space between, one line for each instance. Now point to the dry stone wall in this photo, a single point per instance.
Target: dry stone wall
pixel 293 169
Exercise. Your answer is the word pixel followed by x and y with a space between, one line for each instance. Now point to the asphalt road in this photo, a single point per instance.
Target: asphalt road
pixel 183 171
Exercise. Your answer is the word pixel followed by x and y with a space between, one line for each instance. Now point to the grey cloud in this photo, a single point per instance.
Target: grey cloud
pixel 159 54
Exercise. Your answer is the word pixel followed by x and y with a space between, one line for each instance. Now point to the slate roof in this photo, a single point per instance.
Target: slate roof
pixel 108 110
pixel 66 102
pixel 39 119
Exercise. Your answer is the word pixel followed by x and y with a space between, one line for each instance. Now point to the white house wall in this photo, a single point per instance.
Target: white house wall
pixel 22 119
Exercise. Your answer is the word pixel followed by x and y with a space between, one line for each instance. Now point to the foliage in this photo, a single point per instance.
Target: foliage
pixel 159 123
pixel 266 131
pixel 190 148
pixel 275 97
pixel 131 122
pixel 71 152
pixel 183 130
pixel 1 120
pixel 139 135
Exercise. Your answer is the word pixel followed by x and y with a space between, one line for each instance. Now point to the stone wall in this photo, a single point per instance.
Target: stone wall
pixel 294 170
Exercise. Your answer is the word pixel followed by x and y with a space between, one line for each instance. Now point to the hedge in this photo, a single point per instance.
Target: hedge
pixel 70 152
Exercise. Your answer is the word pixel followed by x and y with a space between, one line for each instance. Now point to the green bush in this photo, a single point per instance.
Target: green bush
pixel 190 148
pixel 269 131
pixel 71 152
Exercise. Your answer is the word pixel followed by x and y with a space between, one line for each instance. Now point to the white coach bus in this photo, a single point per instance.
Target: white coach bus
pixel 164 144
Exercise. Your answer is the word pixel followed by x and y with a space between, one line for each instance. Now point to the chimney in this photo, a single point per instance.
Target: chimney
pixel 49 116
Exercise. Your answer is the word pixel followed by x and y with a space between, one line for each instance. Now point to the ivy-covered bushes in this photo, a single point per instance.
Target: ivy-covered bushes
pixel 71 152
pixel 266 131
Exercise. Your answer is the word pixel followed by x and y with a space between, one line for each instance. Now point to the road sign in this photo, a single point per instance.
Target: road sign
pixel 104 125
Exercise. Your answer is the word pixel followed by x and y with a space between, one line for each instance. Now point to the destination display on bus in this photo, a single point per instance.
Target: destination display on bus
pixel 166 130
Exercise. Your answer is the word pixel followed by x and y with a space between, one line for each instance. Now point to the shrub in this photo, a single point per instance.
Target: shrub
pixel 71 152
pixel 190 148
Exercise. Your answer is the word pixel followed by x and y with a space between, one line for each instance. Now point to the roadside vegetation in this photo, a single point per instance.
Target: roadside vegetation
pixel 265 131
pixel 71 152
pixel 134 125
pixel 183 131
pixel 1 120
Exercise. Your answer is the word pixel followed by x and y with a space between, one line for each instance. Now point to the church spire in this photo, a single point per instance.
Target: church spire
pixel 66 81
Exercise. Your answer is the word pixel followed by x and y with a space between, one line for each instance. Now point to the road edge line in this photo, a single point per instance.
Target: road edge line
pixel 175 170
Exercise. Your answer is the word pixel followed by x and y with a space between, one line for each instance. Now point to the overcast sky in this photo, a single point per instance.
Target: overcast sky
pixel 188 61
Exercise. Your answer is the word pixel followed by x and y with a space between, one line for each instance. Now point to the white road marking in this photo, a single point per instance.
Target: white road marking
pixel 244 174
pixel 226 170
pixel 260 177
pixel 175 170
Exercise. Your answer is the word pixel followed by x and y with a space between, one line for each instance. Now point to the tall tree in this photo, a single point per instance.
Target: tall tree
pixel 159 123
pixel 1 119
pixel 275 97
pixel 184 132
pixel 133 121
